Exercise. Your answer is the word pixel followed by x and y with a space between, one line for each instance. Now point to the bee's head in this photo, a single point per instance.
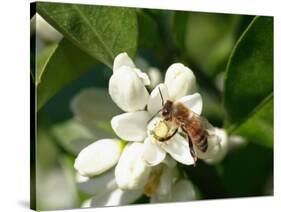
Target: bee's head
pixel 167 109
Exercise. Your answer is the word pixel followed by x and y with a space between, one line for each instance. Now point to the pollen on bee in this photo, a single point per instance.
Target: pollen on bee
pixel 161 129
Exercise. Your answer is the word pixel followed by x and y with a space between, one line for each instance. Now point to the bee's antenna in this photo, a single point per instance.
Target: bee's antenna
pixel 161 96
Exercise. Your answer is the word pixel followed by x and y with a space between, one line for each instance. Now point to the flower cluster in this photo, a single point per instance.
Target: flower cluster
pixel 119 170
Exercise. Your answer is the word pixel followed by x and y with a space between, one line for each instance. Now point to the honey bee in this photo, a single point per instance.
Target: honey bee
pixel 196 128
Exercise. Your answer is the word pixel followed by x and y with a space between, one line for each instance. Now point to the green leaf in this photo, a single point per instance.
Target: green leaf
pixel 56 66
pixel 102 32
pixel 259 128
pixel 208 38
pixel 248 96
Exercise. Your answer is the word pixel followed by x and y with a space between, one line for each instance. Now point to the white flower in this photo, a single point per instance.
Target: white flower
pixel 116 175
pixel 131 171
pixel 176 80
pixel 104 154
pixel 127 84
pixel 98 176
pixel 135 126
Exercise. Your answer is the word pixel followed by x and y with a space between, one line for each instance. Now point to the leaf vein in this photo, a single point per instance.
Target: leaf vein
pixel 94 31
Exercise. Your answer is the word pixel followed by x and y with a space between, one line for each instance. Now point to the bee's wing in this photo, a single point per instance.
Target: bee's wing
pixel 204 122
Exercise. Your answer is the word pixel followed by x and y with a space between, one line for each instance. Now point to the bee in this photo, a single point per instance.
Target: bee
pixel 196 128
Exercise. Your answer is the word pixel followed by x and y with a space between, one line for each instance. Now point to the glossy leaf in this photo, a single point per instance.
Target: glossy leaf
pixel 248 93
pixel 259 128
pixel 102 32
pixel 58 65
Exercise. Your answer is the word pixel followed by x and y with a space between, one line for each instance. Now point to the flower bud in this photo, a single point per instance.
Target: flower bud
pixel 122 59
pixel 98 157
pixel 127 89
pixel 224 144
pixel 180 81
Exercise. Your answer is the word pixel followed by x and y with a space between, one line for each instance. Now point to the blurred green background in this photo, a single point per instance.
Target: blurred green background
pixel 202 41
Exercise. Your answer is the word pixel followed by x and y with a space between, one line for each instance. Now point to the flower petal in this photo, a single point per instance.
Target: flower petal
pixel 152 153
pixel 193 102
pixel 224 145
pixel 98 157
pixel 122 59
pixel 155 102
pixel 178 148
pixel 182 191
pixel 143 76
pixel 155 77
pixel 127 90
pixel 154 74
pixel 116 197
pixel 180 81
pixel 97 185
pixel 131 126
pixel 131 171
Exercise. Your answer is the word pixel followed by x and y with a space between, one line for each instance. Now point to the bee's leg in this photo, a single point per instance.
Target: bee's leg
pixel 191 147
pixel 192 151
